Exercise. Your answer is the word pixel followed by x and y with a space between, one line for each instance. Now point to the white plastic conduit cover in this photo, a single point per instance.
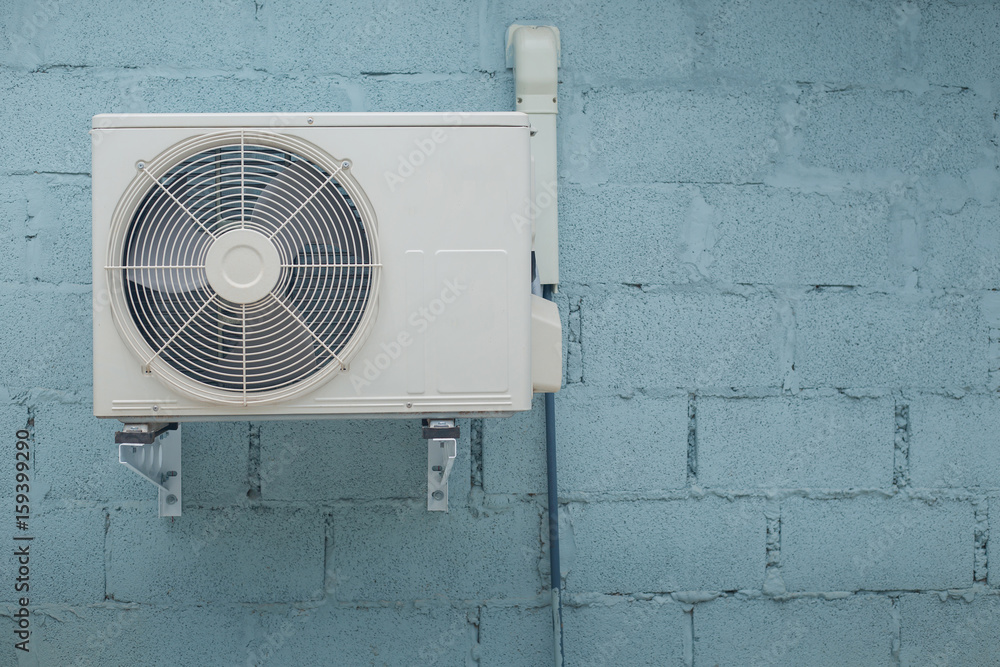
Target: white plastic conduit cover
pixel 533 52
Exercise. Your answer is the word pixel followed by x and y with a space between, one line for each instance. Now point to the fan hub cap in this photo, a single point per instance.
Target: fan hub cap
pixel 242 266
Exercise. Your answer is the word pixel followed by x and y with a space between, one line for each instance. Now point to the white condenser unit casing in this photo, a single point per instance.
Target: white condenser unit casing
pixel 304 265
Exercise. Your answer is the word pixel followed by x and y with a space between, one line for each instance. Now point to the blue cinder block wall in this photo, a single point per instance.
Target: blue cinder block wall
pixel 778 433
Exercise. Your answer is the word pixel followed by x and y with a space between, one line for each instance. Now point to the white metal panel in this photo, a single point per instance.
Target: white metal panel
pixel 452 188
pixel 470 311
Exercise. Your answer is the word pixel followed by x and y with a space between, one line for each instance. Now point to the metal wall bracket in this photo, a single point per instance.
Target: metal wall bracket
pixel 442 447
pixel 153 451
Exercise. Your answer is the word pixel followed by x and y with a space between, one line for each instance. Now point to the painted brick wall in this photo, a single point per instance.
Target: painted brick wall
pixel 778 433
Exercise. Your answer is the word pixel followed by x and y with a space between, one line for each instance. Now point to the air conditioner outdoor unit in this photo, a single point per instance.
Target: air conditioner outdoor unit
pixel 263 266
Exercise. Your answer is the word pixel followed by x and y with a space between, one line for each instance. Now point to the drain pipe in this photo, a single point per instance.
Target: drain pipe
pixel 553 488
pixel 533 52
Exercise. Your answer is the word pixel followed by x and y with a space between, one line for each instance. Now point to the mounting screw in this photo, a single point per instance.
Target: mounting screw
pixel 156 408
pixel 409 405
pixel 437 495
pixel 309 121
pixel 140 165
pixel 346 164
pixel 171 499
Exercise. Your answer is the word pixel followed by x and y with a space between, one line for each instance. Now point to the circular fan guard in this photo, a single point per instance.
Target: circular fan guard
pixel 195 289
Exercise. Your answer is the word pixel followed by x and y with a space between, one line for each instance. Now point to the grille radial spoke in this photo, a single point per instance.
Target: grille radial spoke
pixel 174 198
pixel 325 276
pixel 302 206
pixel 307 329
pixel 181 328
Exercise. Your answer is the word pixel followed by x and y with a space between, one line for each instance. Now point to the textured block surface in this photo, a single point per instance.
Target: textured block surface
pixel 475 92
pixel 953 442
pixel 229 555
pixel 953 632
pixel 793 442
pixel 737 48
pixel 216 462
pixel 859 630
pixel 13 421
pixel 993 551
pixel 606 445
pixel 335 459
pixel 635 339
pixel 116 34
pixel 630 633
pixel 876 544
pixel 666 546
pixel 756 236
pixel 377 636
pixel 651 245
pixel 371 37
pixel 76 456
pixel 13 218
pixel 876 340
pixel 513 450
pixel 47 346
pixel 54 109
pixel 215 634
pixel 57 225
pixel 65 558
pixel 714 137
pixel 962 247
pixel 959 46
pixel 937 132
pixel 499 625
pixel 405 552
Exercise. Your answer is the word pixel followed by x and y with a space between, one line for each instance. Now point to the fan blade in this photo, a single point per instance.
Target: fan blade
pixel 283 195
pixel 176 242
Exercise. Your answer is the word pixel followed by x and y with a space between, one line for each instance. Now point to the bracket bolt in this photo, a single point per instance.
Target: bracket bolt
pixel 437 495
pixel 171 499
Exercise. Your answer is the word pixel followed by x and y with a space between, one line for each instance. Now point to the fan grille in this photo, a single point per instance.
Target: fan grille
pixel 260 332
